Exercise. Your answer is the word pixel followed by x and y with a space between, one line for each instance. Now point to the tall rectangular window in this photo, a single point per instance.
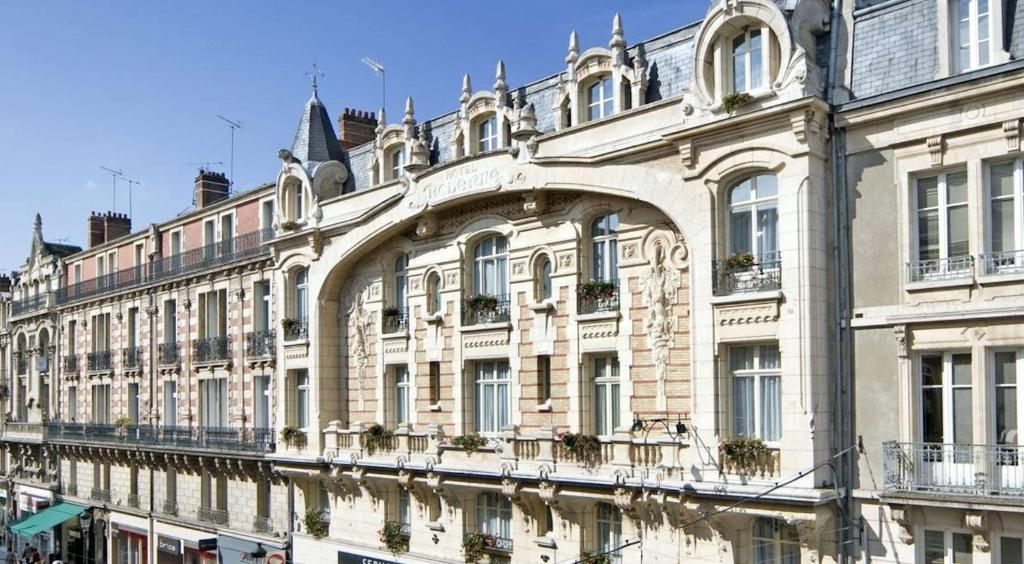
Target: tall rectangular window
pixel 267 215
pixel 101 403
pixel 1010 551
pixel 213 402
pixel 1006 397
pixel 261 419
pixel 133 403
pixel 945 547
pixel 262 303
pixel 606 395
pixel 170 403
pixel 435 383
pixel 404 508
pixel 746 61
pixel 973 31
pixel 756 391
pixel 543 378
pixel 301 399
pixel 402 387
pixel 493 402
pixel 72 403
pixel 213 314
pixel 600 99
pixel 487 131
pixel 946 398
pixel 170 321
pixel 941 203
pixel 134 330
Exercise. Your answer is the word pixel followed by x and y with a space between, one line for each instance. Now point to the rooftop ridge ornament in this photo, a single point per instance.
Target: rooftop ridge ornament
pixel 467 89
pixel 316 72
pixel 574 48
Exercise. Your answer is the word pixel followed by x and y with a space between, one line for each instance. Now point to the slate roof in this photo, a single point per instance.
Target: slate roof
pixel 315 141
pixel 60 250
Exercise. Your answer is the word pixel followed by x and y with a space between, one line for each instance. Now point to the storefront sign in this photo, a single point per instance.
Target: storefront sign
pixel 349 558
pixel 206 545
pixel 168 545
pixel 459 181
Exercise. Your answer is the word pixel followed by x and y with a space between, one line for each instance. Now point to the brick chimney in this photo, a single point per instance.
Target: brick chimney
pixel 5 283
pixel 211 187
pixel 356 127
pixel 108 226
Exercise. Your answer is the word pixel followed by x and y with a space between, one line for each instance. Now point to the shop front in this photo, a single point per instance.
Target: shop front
pixel 129 539
pixel 240 550
pixel 42 528
pixel 180 545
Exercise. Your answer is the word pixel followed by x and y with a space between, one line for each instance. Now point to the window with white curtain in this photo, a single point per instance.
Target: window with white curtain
pixel 487 133
pixel 606 394
pixel 609 531
pixel 973 30
pixel 302 296
pixel 302 399
pixel 747 62
pixel 402 387
pixel 600 98
pixel 213 402
pixel 946 398
pixel 494 515
pixel 941 206
pixel 492 396
pixel 404 508
pixel 604 235
pixel 754 218
pixel 775 542
pixel 490 266
pixel 401 282
pixel 756 393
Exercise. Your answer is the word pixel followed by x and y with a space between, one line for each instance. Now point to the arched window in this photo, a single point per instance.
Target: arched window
pixel 544 289
pixel 494 515
pixel 747 61
pixel 609 531
pixel 433 293
pixel 754 218
pixel 775 541
pixel 604 235
pixel 396 163
pixel 401 282
pixel 487 133
pixel 302 297
pixel 490 266
pixel 600 98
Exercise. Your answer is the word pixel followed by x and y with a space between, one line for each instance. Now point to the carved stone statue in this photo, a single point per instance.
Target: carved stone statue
pixel 360 321
pixel 660 289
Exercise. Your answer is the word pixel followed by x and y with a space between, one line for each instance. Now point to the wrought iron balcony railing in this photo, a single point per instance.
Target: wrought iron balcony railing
pixel 260 343
pixel 296 330
pixel 131 358
pixel 225 439
pixel 134 501
pixel 98 494
pixel 966 469
pixel 394 320
pixel 215 516
pixel 71 363
pixel 597 296
pixel 169 353
pixel 497 545
pixel 211 349
pixel 30 304
pixel 99 360
pixel 952 268
pixel 195 260
pixel 1005 262
pixel 262 525
pixel 735 276
pixel 170 507
pixel 482 309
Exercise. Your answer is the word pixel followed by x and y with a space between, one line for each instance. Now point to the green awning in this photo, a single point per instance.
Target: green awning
pixel 46 519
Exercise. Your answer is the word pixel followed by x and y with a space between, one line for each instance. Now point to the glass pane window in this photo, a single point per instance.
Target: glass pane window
pixel 544 279
pixel 946 398
pixel 401 281
pixel 302 399
pixel 600 99
pixel 756 391
pixel 1006 208
pixel 434 293
pixel 487 132
pixel 606 395
pixel 1004 380
pixel 404 507
pixel 604 232
pixel 775 542
pixel 609 530
pixel 494 515
pixel 490 266
pixel 402 387
pixel 973 33
pixel 397 162
pixel 754 218
pixel 302 295
pixel 1010 551
pixel 942 216
pixel 747 61
pixel 493 397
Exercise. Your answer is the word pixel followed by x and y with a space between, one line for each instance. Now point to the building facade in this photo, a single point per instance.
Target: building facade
pixel 635 310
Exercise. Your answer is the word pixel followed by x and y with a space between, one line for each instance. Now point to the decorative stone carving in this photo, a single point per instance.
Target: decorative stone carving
pixel 660 290
pixel 747 314
pixel 901 340
pixel 902 518
pixel 805 123
pixel 1011 130
pixel 978 524
pixel 936 148
pixel 359 320
pixel 687 152
pixel 599 330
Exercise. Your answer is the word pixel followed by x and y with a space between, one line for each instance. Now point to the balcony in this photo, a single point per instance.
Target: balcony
pixel 262 525
pixel 497 545
pixel 99 361
pixel 242 247
pixel 134 501
pixel 1006 262
pixel 934 270
pixel 98 494
pixel 30 305
pixel 170 507
pixel 169 354
pixel 394 320
pixel 743 273
pixel 964 469
pixel 20 430
pixel 215 516
pixel 211 349
pixel 597 296
pixel 71 363
pixel 131 358
pixel 223 439
pixel 295 330
pixel 483 309
pixel 260 343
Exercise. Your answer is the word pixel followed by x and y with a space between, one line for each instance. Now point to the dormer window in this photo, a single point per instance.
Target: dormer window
pixel 600 99
pixel 747 61
pixel 396 162
pixel 972 31
pixel 487 133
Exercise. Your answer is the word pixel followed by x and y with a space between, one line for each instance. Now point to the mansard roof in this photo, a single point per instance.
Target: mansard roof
pixel 315 141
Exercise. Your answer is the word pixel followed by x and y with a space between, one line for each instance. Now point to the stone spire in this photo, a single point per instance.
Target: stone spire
pixel 467 89
pixel 574 48
pixel 618 41
pixel 500 87
pixel 409 121
pixel 382 123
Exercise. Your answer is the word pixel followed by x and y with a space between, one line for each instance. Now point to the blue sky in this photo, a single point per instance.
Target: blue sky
pixel 138 86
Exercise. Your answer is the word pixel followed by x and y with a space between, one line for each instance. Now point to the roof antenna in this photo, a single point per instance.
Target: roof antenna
pixel 233 125
pixel 113 178
pixel 379 69
pixel 130 184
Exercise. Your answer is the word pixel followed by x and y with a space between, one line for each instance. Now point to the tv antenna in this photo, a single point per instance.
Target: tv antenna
pixel 114 174
pixel 205 165
pixel 379 69
pixel 233 125
pixel 130 184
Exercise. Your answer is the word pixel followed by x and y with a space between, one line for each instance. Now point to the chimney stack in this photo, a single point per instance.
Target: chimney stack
pixel 211 187
pixel 5 284
pixel 356 127
pixel 108 226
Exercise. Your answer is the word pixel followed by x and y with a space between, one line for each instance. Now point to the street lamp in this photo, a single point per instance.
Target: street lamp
pixel 675 431
pixel 259 555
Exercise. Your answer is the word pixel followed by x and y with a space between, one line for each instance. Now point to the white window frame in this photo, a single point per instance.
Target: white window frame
pixel 997 551
pixel 777 542
pixel 1003 262
pixel 995 387
pixel 603 105
pixel 401 282
pixel 607 375
pixel 494 515
pixel 947 542
pixel 978 56
pixel 262 405
pixel 490 424
pixel 497 260
pixel 403 394
pixel 267 215
pixel 608 530
pixel 301 288
pixel 942 208
pixel 302 396
pixel 754 205
pixel 758 373
pixel 404 516
pixel 396 162
pixel 609 248
pixel 213 402
pixel 488 134
pixel 947 387
pixel 747 56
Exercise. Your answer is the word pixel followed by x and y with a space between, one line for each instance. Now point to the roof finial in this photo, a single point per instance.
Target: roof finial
pixel 316 72
pixel 467 89
pixel 574 48
pixel 409 111
pixel 382 122
pixel 617 38
pixel 499 78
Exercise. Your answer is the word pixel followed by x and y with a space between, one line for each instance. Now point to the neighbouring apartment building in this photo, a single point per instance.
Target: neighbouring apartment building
pixel 743 292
